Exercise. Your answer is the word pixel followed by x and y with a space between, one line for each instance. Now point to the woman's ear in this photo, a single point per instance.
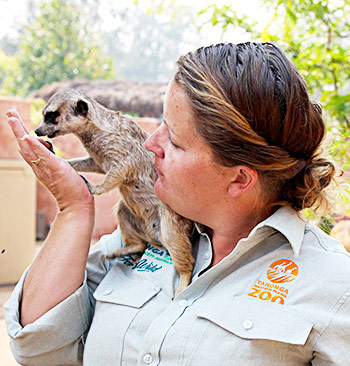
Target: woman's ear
pixel 243 180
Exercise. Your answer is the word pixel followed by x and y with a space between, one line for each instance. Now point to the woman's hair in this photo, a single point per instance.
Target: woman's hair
pixel 252 107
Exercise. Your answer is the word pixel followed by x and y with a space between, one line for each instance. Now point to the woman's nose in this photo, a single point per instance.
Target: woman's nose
pixel 152 144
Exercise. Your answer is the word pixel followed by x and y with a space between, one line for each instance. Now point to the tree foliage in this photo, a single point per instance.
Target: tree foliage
pixel 58 45
pixel 6 62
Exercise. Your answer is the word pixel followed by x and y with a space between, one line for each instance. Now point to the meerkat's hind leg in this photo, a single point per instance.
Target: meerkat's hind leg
pixel 185 280
pixel 175 233
pixel 131 231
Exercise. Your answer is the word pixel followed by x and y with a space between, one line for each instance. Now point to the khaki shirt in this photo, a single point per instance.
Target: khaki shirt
pixel 280 298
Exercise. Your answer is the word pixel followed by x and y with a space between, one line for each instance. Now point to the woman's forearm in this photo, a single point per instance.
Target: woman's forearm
pixel 59 268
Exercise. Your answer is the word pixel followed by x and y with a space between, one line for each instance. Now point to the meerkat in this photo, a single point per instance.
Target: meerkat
pixel 115 145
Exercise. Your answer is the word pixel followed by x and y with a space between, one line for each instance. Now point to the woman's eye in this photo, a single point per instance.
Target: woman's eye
pixel 176 146
pixel 169 136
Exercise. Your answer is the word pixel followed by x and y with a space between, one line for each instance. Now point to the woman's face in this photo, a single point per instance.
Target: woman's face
pixel 189 180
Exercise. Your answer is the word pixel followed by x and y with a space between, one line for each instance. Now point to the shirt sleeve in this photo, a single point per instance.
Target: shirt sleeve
pixel 332 347
pixel 58 336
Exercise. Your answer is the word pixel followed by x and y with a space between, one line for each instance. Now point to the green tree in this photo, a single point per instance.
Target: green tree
pixel 6 63
pixel 58 45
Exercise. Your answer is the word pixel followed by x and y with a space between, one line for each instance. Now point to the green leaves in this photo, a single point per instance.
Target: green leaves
pixel 225 16
pixel 58 45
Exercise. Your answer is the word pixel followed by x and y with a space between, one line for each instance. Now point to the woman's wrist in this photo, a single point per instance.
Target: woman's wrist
pixel 77 210
pixel 84 202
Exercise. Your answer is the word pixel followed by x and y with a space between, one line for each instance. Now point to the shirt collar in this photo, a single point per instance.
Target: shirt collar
pixel 289 223
pixel 285 220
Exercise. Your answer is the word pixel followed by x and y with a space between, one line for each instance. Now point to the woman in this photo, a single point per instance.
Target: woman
pixel 238 153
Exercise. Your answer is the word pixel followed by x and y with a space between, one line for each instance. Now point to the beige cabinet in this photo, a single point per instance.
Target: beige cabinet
pixel 17 218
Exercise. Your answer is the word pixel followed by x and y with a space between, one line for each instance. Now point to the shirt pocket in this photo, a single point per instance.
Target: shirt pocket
pixel 257 321
pixel 123 289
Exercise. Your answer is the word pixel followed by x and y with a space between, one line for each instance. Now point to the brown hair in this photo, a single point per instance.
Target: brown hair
pixel 253 108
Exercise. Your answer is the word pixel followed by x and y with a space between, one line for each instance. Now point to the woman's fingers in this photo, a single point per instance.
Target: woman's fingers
pixel 46 165
pixel 19 128
pixel 55 173
pixel 37 146
pixel 20 131
pixel 34 150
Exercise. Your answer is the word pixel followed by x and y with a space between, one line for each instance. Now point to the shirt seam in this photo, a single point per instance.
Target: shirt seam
pixel 322 244
pixel 81 306
pixel 343 299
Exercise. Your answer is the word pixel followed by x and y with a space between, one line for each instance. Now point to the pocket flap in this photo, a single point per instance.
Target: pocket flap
pixel 118 288
pixel 252 320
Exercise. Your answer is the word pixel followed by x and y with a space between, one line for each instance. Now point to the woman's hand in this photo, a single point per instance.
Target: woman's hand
pixel 56 174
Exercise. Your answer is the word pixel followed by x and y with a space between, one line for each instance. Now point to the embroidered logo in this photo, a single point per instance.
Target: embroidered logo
pixel 144 265
pixel 159 254
pixel 282 271
pixel 270 289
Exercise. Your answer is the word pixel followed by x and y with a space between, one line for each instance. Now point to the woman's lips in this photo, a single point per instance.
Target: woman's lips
pixel 159 173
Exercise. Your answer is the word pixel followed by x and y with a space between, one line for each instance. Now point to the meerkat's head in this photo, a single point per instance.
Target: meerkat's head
pixel 67 111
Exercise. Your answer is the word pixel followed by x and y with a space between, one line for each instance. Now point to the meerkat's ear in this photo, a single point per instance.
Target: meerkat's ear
pixel 81 108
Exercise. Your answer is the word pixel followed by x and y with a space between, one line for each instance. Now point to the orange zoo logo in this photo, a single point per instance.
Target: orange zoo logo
pixel 282 271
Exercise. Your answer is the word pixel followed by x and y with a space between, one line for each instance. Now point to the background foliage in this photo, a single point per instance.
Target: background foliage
pixel 63 39
pixel 58 45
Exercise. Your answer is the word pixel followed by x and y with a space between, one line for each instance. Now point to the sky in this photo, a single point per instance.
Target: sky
pixel 13 11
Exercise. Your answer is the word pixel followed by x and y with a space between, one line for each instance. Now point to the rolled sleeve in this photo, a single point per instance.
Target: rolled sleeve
pixel 56 337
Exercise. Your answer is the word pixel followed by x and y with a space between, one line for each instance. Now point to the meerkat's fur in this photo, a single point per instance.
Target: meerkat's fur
pixel 116 148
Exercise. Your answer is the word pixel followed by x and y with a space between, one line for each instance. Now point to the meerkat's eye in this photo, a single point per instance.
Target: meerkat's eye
pixel 50 117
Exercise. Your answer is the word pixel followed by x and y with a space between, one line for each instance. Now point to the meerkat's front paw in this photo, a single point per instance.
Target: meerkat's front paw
pixel 94 189
pixel 98 189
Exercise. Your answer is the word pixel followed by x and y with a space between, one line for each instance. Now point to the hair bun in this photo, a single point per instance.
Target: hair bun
pixel 307 187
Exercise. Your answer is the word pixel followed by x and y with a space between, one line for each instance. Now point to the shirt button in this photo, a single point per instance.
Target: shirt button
pixel 183 303
pixel 147 359
pixel 207 254
pixel 247 324
pixel 107 292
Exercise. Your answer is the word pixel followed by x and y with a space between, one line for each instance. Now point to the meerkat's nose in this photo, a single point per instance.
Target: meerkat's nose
pixel 38 132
